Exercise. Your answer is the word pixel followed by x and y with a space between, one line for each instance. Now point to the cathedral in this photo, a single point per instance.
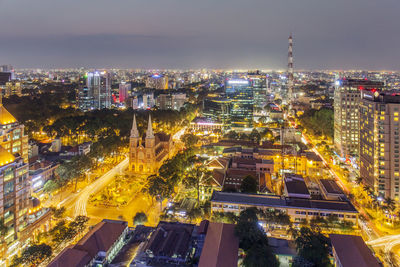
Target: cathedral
pixel 147 154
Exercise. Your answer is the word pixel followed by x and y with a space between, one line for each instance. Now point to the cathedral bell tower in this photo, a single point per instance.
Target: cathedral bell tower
pixel 150 139
pixel 134 138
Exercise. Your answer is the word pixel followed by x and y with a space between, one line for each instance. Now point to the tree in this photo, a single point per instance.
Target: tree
pixel 260 255
pixel 159 188
pixel 249 185
pixel 390 204
pixel 79 223
pixel 58 213
pixel 319 122
pixel 190 140
pixel 253 240
pixel 33 255
pixel 232 135
pixel 313 246
pixel 255 136
pixel 139 218
pixel 50 186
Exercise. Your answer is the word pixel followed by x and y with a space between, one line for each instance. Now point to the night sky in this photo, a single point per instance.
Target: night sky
pixel 328 34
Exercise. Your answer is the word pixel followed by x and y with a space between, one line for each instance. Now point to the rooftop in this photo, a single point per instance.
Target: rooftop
pixel 221 246
pixel 170 240
pixel 296 185
pixel 352 251
pixel 331 186
pixel 100 238
pixel 71 256
pixel 282 202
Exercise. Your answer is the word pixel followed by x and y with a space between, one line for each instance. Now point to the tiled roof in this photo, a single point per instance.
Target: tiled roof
pixel 352 251
pixel 71 257
pixel 102 236
pixel 170 239
pixel 221 246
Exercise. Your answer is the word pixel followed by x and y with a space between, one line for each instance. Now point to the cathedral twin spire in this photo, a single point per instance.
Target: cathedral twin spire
pixel 135 132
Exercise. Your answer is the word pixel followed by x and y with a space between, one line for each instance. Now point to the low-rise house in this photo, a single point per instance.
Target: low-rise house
pixel 295 186
pixel 351 251
pixel 330 190
pixel 97 248
pixel 221 246
pixel 40 172
pixel 297 209
pixel 170 243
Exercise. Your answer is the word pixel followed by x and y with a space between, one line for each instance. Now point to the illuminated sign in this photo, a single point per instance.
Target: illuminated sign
pixel 238 82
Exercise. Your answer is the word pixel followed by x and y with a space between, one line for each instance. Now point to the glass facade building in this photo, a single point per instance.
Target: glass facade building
pixel 240 92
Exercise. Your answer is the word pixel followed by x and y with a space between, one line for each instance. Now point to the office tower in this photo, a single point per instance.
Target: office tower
pixel 290 70
pixel 12 136
pixel 259 87
pixel 99 86
pixel 85 99
pixel 14 167
pixel 147 101
pixel 12 88
pixel 8 69
pixel 5 77
pixel 240 93
pixel 157 81
pixel 380 141
pixel 124 89
pixel 217 109
pixel 346 115
pixel 14 197
pixel 171 101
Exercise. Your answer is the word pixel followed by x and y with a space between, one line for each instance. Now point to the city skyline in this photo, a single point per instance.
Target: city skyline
pixel 187 34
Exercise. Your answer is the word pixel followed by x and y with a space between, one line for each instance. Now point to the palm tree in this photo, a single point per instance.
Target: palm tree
pixel 390 205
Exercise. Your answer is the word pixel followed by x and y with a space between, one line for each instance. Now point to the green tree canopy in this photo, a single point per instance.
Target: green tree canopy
pixel 318 122
pixel 33 255
pixel 249 185
pixel 313 246
pixel 253 240
pixel 140 218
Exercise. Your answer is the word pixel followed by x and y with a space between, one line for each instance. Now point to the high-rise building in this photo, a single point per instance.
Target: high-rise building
pixel 9 69
pixel 217 110
pixel 5 77
pixel 12 136
pixel 171 101
pixel 99 86
pixel 124 89
pixel 380 142
pixel 240 92
pixel 11 88
pixel 259 86
pixel 148 101
pixel 85 99
pixel 346 114
pixel 157 81
pixel 14 197
pixel 14 175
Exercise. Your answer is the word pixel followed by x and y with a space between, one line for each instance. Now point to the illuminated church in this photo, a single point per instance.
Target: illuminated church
pixel 147 154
